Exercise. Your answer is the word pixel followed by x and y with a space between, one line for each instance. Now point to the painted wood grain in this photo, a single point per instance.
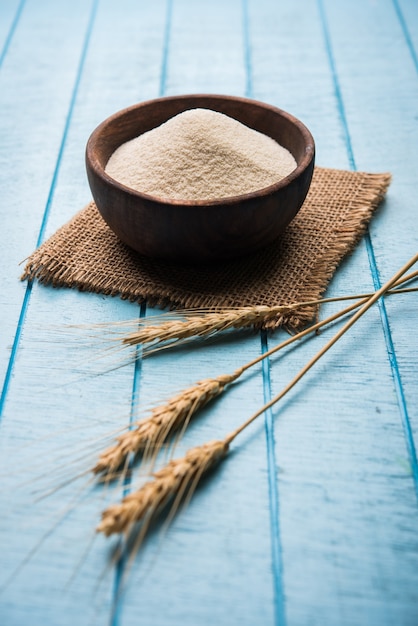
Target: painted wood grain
pixel 312 519
pixel 214 32
pixel 78 399
pixel 231 580
pixel 290 69
pixel 34 106
pixel 394 130
pixel 10 12
pixel 373 513
pixel 75 407
pixel 407 14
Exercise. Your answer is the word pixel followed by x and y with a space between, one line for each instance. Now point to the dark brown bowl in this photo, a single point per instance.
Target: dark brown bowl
pixel 201 231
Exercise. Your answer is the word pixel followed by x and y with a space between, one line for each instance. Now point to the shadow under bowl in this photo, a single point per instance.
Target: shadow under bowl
pixel 199 231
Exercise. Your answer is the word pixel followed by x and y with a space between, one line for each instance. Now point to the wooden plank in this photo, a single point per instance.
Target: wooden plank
pixel 30 532
pixel 386 91
pixel 407 13
pixel 53 307
pixel 347 500
pixel 290 70
pixel 37 102
pixel 231 578
pixel 68 407
pixel 199 59
pixel 10 12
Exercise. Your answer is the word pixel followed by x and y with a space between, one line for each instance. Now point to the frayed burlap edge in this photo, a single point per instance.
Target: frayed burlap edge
pixel 346 237
pixel 43 266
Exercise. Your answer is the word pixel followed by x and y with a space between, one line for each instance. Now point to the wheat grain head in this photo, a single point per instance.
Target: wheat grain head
pixel 204 325
pixel 150 434
pixel 170 484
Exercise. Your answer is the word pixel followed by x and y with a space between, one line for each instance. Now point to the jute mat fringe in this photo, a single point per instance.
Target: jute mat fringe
pixel 85 254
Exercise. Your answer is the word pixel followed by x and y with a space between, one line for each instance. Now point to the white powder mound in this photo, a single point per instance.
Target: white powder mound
pixel 200 155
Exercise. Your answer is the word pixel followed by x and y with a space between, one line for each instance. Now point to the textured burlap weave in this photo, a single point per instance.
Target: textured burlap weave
pixel 86 254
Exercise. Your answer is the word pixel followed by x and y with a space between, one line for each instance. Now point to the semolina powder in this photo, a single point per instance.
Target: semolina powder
pixel 200 155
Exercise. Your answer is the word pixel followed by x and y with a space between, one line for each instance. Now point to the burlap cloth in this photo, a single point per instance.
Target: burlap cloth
pixel 85 254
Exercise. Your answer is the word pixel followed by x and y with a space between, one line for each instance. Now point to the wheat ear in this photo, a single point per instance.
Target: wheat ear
pixel 169 333
pixel 173 480
pixel 149 435
pixel 170 484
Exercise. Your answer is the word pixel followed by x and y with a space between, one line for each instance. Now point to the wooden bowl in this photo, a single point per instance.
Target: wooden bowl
pixel 200 231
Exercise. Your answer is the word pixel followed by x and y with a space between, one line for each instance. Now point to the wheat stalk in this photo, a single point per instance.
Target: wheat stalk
pixel 173 480
pixel 162 331
pixel 202 325
pixel 169 333
pixel 148 435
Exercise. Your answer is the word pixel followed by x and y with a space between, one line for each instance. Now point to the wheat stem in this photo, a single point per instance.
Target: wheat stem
pixel 356 316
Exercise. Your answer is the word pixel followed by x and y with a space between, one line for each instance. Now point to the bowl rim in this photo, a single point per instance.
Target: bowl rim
pixel 99 170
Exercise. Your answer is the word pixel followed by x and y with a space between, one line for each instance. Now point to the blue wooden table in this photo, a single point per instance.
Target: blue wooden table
pixel 313 520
